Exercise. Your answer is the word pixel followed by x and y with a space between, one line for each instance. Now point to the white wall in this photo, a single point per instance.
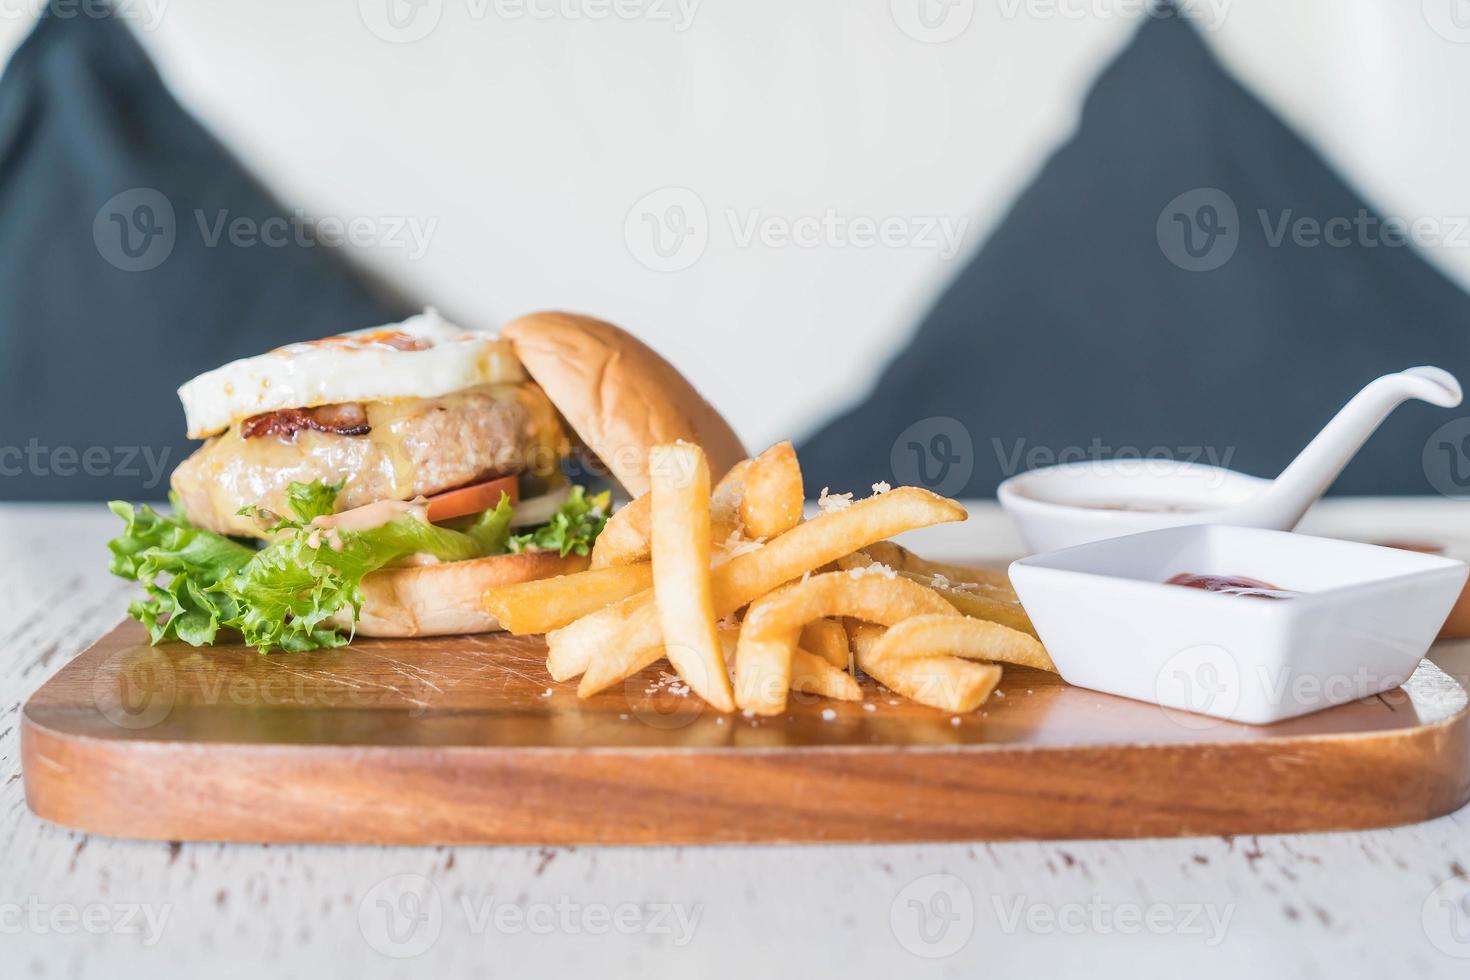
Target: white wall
pixel 529 142
pixel 1381 87
pixel 13 28
pixel 520 146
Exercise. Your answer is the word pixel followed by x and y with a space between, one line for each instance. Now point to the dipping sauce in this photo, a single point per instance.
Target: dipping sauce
pixel 1146 507
pixel 1232 585
pixel 1423 547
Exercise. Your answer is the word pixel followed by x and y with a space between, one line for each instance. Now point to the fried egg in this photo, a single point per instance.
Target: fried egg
pixel 423 357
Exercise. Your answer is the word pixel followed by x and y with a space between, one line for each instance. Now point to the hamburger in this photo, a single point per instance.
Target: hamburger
pixel 378 482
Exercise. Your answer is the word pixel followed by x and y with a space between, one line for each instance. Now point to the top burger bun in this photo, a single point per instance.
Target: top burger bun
pixel 620 397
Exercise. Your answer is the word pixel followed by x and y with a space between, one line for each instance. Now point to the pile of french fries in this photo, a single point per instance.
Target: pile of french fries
pixel 747 601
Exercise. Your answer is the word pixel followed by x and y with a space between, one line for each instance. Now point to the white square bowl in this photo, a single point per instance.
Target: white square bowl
pixel 1364 619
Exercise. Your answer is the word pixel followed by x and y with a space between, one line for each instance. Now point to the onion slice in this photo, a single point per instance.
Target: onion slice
pixel 539 510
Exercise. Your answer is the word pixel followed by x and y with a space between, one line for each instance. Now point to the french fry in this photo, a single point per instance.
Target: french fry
pixel 622 658
pixel 610 671
pixel 745 578
pixel 981 605
pixel 828 640
pixel 879 552
pixel 898 557
pixel 825 538
pixel 932 680
pixel 811 674
pixel 978 592
pixel 861 636
pixel 624 538
pixel 947 683
pixel 724 500
pixel 761 497
pixel 960 636
pixel 773 498
pixel 546 604
pixel 770 630
pixel 630 540
pixel 681 579
pixel 570 649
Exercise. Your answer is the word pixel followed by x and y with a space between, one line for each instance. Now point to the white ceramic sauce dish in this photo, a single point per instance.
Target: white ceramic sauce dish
pixel 1361 621
pixel 1073 503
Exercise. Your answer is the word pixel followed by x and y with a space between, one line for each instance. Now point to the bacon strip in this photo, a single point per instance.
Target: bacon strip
pixel 349 419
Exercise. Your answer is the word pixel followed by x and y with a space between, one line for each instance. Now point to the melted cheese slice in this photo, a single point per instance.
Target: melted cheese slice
pixel 423 357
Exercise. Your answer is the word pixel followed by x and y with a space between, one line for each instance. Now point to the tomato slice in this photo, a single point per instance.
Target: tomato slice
pixel 472 499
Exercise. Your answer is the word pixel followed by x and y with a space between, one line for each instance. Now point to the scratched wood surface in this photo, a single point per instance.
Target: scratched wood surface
pixel 1311 905
pixel 470 738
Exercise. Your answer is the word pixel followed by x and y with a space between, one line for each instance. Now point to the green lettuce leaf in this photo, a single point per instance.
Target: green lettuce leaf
pixel 288 593
pixel 294 593
pixel 178 566
pixel 281 596
pixel 307 501
pixel 312 500
pixel 491 529
pixel 573 528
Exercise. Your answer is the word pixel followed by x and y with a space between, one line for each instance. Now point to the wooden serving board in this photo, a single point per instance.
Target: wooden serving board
pixel 467 740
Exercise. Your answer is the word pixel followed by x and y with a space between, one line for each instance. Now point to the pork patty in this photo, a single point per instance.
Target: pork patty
pixel 412 447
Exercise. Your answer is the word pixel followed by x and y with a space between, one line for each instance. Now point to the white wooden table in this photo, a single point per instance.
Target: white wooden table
pixel 1330 905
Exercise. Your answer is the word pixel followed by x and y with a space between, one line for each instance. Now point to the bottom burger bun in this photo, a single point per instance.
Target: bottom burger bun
pixel 444 599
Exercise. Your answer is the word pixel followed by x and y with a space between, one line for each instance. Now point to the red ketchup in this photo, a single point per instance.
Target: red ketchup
pixel 1232 585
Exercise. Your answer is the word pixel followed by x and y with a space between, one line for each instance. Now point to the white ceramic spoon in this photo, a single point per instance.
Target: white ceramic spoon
pixel 1074 503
